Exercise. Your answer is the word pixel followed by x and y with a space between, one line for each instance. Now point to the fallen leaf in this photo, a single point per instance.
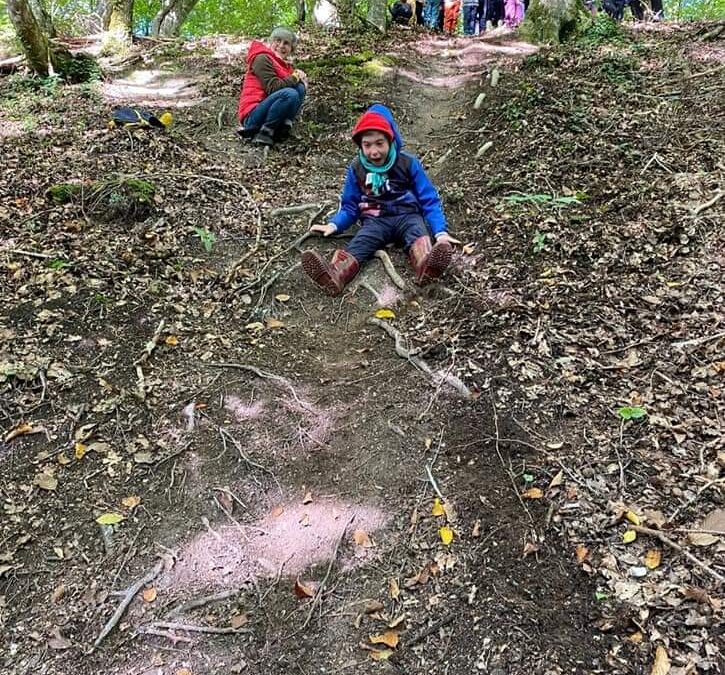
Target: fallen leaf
pixel 372 606
pixel 556 480
pixel 143 457
pixel 476 529
pixel 419 579
pixel 307 498
pixel 397 620
pixel 361 538
pixel 58 641
pixel 59 552
pixel 273 324
pixel 661 665
pixel 438 509
pixel 63 459
pixel 446 535
pixel 305 520
pixel 255 325
pixel 385 314
pixel 389 638
pixel 277 511
pixel 80 450
pixel 582 553
pixel 533 493
pixel 184 671
pixel 381 654
pixel 653 558
pixel 629 536
pixel 58 593
pixel 149 594
pixel 282 297
pixel 171 340
pixel 530 548
pixel 633 518
pixel 46 481
pixel 19 430
pixel 305 589
pixel 238 620
pixel 109 518
pixel 394 588
pixel 131 502
pixel 636 638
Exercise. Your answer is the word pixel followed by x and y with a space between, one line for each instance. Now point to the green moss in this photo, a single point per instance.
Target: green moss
pixel 62 193
pixel 554 22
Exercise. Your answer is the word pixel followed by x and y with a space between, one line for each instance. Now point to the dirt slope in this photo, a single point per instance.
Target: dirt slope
pixel 272 435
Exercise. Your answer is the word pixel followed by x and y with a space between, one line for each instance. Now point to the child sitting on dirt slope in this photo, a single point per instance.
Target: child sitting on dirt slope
pixel 273 90
pixel 389 191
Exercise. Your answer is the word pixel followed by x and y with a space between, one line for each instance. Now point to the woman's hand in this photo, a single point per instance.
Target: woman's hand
pixel 444 236
pixel 326 230
pixel 300 75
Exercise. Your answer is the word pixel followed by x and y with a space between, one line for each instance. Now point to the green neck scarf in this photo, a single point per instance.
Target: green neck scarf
pixel 377 175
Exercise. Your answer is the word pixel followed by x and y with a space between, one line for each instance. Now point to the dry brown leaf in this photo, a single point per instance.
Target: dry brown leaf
pixel 389 638
pixel 305 520
pixel 171 340
pixel 307 499
pixel 653 558
pixel 58 594
pixel 46 481
pixel 184 671
pixel 372 606
pixel 582 553
pixel 381 654
pixel 419 579
pixel 476 529
pixel 277 511
pixel 58 641
pixel 533 493
pixel 397 621
pixel 273 324
pixel 305 589
pixel 238 620
pixel 149 594
pixel 394 589
pixel 361 538
pixel 131 502
pixel 530 548
pixel 636 638
pixel 557 480
pixel 661 665
pixel 19 430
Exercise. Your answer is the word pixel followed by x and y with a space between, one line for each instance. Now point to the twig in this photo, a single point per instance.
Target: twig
pixel 433 482
pixel 249 461
pixel 292 210
pixel 148 630
pixel 129 595
pixel 500 457
pixel 423 634
pixel 390 268
pixel 200 602
pixel 192 628
pixel 317 598
pixel 421 365
pixel 151 344
pixel 666 540
pixel 700 340
pixel 693 499
pixel 706 205
pixel 29 254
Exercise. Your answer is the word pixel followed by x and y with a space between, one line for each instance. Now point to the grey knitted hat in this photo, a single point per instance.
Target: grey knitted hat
pixel 283 33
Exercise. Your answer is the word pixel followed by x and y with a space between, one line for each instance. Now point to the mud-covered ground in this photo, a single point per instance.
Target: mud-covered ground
pixel 262 451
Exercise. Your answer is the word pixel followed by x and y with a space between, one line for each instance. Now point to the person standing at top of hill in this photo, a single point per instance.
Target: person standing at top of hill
pixel 390 193
pixel 402 12
pixel 451 9
pixel 273 90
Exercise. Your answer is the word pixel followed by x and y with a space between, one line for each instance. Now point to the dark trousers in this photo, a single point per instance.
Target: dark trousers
pixel 482 15
pixel 280 107
pixel 470 16
pixel 377 233
pixel 419 12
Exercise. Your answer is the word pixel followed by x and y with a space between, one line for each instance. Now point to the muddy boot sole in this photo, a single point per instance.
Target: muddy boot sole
pixel 318 270
pixel 437 263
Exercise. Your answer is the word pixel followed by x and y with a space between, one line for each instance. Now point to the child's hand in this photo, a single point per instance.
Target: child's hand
pixel 327 229
pixel 444 236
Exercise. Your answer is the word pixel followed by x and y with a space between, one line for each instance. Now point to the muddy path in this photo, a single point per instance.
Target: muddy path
pixel 274 460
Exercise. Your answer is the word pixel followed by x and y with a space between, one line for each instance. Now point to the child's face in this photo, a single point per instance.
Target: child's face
pixel 375 146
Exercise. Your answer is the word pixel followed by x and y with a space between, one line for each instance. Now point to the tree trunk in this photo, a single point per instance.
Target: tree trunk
pixel 171 17
pixel 326 14
pixel 35 33
pixel 301 12
pixel 553 21
pixel 377 10
pixel 120 17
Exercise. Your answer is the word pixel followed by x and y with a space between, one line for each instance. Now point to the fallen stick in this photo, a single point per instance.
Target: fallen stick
pixel 423 634
pixel 292 210
pixel 706 205
pixel 421 365
pixel 390 269
pixel 699 341
pixel 29 254
pixel 129 595
pixel 151 344
pixel 666 540
pixel 148 630
pixel 192 628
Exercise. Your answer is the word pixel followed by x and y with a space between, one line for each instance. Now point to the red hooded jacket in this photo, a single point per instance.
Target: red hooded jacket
pixel 252 91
